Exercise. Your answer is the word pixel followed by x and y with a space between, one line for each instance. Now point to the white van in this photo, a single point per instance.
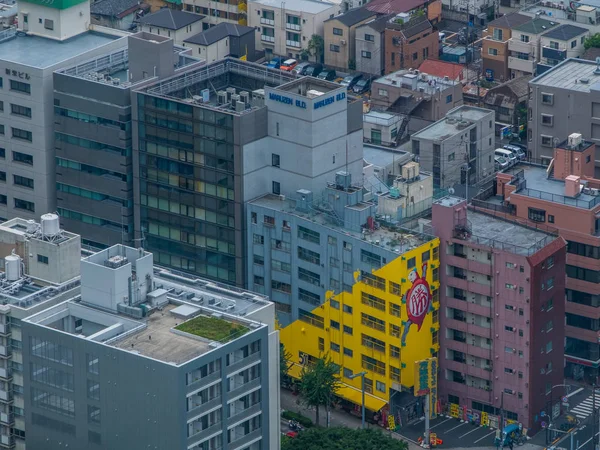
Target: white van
pixel 501 163
pixel 506 154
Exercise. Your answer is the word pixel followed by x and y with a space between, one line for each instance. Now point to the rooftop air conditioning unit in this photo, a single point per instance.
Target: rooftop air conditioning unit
pixel 343 42
pixel 221 97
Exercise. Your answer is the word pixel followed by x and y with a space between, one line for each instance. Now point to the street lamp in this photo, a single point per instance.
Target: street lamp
pixel 362 376
pixel 551 415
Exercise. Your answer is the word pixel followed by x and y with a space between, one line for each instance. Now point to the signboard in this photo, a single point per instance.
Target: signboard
pixel 489 74
pixel 423 376
pixel 454 410
pixel 391 423
pixel 485 421
pixel 432 439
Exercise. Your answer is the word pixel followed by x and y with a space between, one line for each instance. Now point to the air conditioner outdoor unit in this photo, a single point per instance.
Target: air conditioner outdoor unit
pixel 343 42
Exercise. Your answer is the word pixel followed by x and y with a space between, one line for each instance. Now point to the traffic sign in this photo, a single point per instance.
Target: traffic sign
pixel 543 424
pixel 543 414
pixel 565 399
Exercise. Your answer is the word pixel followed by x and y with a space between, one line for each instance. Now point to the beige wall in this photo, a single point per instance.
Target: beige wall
pixel 346 43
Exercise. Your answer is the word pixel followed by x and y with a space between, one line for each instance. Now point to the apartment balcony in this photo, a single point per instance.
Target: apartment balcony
pixel 467 306
pixel 554 53
pixel 7 441
pixel 206 433
pixel 5 373
pixel 293 44
pixel 517 45
pixel 240 364
pixel 7 418
pixel 197 408
pixel 483 395
pixel 524 65
pixel 5 351
pixel 479 267
pixel 456 324
pixel 265 21
pixel 293 26
pixel 480 288
pixel 457 261
pixel 477 330
pixel 6 396
pixel 479 372
pixel 5 329
pixel 266 38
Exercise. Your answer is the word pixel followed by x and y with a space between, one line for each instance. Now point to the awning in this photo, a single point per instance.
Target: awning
pixel 354 395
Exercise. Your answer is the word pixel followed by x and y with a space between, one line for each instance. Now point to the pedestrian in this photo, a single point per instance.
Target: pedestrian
pixel 510 444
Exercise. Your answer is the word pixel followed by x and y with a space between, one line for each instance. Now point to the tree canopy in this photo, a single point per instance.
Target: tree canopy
pixel 342 439
pixel 592 41
pixel 319 383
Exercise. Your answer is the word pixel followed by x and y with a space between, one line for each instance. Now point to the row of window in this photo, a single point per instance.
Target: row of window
pixel 189 184
pixel 87 118
pixel 60 187
pixel 203 214
pixel 85 218
pixel 18 133
pixel 199 240
pixel 91 145
pixel 92 170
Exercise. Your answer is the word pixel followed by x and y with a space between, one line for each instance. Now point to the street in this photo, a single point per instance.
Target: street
pixel 453 433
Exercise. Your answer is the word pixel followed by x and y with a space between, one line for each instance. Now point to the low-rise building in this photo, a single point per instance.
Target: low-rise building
pixel 383 128
pixel 286 29
pixel 409 43
pixel 560 43
pixel 101 358
pixel 525 48
pixel 116 13
pixel 442 69
pixel 166 22
pixel 222 40
pixel 465 138
pixel 508 100
pixel 228 11
pixel 370 46
pixel 502 333
pixel 340 37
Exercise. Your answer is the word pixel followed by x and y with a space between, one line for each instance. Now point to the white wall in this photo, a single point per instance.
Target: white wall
pixel 178 36
pixel 63 259
pixel 210 53
pixel 66 22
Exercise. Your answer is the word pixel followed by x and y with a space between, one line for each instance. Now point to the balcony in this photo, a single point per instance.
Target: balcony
pixel 524 65
pixel 6 396
pixel 554 53
pixel 4 329
pixel 7 441
pixel 7 418
pixel 204 434
pixel 517 45
pixel 478 330
pixel 294 44
pixel 196 408
pixel 5 351
pixel 5 373
pixel 266 21
pixel 292 26
pixel 266 38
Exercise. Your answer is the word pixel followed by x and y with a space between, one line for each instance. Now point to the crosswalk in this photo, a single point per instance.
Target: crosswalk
pixel 585 408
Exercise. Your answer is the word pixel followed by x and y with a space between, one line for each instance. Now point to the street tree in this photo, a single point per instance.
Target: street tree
pixel 592 41
pixel 319 382
pixel 285 363
pixel 343 439
pixel 316 47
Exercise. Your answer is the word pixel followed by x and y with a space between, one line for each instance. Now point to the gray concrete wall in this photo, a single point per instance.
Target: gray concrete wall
pixel 375 64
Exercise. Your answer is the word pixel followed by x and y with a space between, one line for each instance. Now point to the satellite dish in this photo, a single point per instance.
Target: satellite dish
pixel 451 191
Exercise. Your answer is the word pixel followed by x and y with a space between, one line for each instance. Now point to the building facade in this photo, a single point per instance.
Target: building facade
pixel 222 40
pixel 128 323
pixel 509 101
pixel 502 347
pixel 524 46
pixel 563 42
pixel 228 11
pixel 171 23
pixel 370 46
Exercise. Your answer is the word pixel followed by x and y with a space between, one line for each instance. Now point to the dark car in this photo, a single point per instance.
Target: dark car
pixel 362 86
pixel 301 68
pixel 328 75
pixel 313 70
pixel 275 63
pixel 518 144
pixel 351 80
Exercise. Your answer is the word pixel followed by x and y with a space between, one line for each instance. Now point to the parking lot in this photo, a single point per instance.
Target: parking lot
pixel 453 433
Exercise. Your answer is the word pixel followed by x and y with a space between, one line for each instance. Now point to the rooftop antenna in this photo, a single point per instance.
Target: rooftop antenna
pixel 597 71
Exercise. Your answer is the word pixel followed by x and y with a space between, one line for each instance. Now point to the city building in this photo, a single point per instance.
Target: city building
pixel 167 22
pixel 383 128
pixel 249 139
pixel 93 132
pixel 560 43
pixel 584 14
pixel 494 51
pixel 382 167
pixel 55 40
pixel 423 97
pixel 509 100
pixel 441 69
pixel 563 100
pixel 312 242
pixel 502 324
pixel 476 11
pixel 370 46
pixel 433 8
pixel 286 29
pixel 40 268
pixel 340 37
pixel 524 46
pixel 229 11
pixel 185 362
pixel 564 198
pixel 465 136
pixel 409 43
pixel 117 14
pixel 8 13
pixel 222 40
pixel 368 328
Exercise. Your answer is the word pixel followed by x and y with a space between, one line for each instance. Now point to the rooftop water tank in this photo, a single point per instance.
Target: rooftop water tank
pixel 50 225
pixel 12 267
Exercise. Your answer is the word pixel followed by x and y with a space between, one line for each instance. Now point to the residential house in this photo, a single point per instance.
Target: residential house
pixel 370 46
pixel 340 35
pixel 494 52
pixel 229 11
pixel 119 14
pixel 408 44
pixel 224 39
pixel 432 7
pixel 178 25
pixel 507 99
pixel 286 29
pixel 441 69
pixel 560 43
pixel 524 46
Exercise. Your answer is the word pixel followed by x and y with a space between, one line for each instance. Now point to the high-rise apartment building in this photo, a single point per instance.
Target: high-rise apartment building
pixel 501 325
pixel 210 139
pixel 186 363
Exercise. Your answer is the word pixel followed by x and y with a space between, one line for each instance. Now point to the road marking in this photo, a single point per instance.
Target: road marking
pixel 469 432
pixel 457 426
pixel 581 416
pixel 487 435
pixel 441 423
pixel 574 392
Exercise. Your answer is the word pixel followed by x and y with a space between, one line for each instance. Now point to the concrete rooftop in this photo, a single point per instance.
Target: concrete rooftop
pixel 568 75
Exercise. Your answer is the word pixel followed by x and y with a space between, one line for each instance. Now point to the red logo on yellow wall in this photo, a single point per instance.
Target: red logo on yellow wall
pixel 417 299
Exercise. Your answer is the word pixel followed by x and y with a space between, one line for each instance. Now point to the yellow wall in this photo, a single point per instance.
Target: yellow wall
pixel 303 335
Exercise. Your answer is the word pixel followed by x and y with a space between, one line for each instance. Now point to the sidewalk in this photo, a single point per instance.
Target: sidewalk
pixel 290 402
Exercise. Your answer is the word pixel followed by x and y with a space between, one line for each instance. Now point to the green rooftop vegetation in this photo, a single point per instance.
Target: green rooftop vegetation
pixel 213 328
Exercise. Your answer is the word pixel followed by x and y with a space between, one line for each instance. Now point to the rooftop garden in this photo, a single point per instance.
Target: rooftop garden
pixel 213 328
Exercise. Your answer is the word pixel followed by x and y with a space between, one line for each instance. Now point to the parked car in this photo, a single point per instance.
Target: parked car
pixel 300 68
pixel 517 151
pixel 362 86
pixel 520 145
pixel 506 154
pixel 288 65
pixel 275 63
pixel 328 74
pixel 313 70
pixel 500 163
pixel 351 80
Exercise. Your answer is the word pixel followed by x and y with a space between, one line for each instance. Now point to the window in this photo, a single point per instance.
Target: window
pixel 2 176
pixel 278 244
pixel 524 38
pixel 550 218
pixel 347 246
pixel 395 289
pixel 547 119
pixel 20 110
pixel 334 304
pixel 281 286
pixel 93 414
pixel 372 280
pixel 380 386
pixel 276 188
pixel 370 258
pixel 448 98
pixel 281 266
pixel 259 281
pixel 537 215
pixel 415 56
pixel 308 317
pixel 22 158
pixel 372 322
pixel 395 310
pixel 554 45
pixel 334 324
pixel 492 51
pixel 17 133
pixel 334 347
pixel 93 364
pixel 383 92
pixel 42 259
pixel 334 48
pixel 321 344
pixel 19 86
pixel 369 37
pixel 583 274
pixel 547 99
pixel 373 301
pixel 347 372
pixel 338 32
pixel 574 43
pixel 23 181
pixel 275 160
pixel 348 330
pixel 309 256
pixel 373 365
pixel 347 309
pixel 509 328
pixel 498 34
pixel 549 347
pixel 309 235
pixel 258 239
pixel 93 389
pixel 371 342
pixel 52 377
pixel 309 277
pixel 365 54
pixel 394 351
pixel 23 204
pixel 451 157
pixel 348 352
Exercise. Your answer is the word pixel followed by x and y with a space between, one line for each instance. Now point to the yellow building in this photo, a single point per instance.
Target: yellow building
pixel 375 328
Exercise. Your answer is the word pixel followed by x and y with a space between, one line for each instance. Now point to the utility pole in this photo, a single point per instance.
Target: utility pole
pixel 594 417
pixel 427 407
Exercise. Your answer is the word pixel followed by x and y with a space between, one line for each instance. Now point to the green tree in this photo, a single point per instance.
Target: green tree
pixel 285 363
pixel 319 383
pixel 351 64
pixel 343 438
pixel 592 41
pixel 316 47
